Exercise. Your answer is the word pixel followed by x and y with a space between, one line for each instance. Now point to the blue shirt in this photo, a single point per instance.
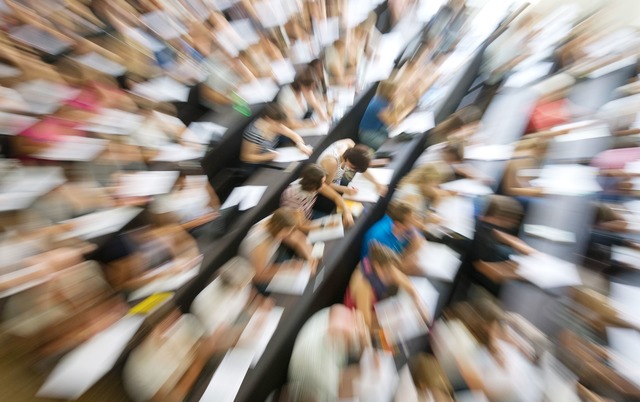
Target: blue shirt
pixel 382 232
pixel 370 119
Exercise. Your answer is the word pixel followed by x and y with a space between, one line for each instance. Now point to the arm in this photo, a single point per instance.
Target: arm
pixel 264 271
pixel 405 284
pixel 331 194
pixel 514 242
pixel 315 105
pixel 382 189
pixel 361 292
pixel 250 153
pixel 514 186
pixel 293 136
pixel 330 165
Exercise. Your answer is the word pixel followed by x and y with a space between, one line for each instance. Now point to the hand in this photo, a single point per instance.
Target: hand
pixel 351 191
pixel 306 149
pixel 382 190
pixel 347 220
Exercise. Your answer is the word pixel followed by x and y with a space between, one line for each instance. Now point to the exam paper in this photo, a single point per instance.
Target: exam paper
pixel 570 180
pixel 290 154
pixel 546 271
pixel 84 366
pixel 100 63
pixel 73 149
pixel 549 233
pixel 178 153
pixel 290 281
pixel 227 379
pixel 283 71
pixel 332 229
pixel 320 129
pixel 457 214
pixel 39 39
pixel 203 132
pixel 163 25
pixel 378 376
pixel 625 298
pixel 12 124
pixel 142 184
pixel 467 187
pixel 415 123
pixel 525 77
pixel 262 90
pixel 169 283
pixel 493 152
pixel 258 332
pixel 162 89
pixel 114 121
pixel 625 344
pixel 244 28
pixel 439 262
pixel 246 197
pixel 96 224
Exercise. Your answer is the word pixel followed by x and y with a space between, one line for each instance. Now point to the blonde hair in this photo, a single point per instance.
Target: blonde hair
pixel 431 172
pixel 386 89
pixel 383 255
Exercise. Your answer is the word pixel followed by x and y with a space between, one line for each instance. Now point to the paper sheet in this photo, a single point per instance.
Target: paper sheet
pixel 142 184
pixel 568 180
pixel 585 133
pixel 258 332
pixel 259 91
pixel 378 376
pixel 245 29
pixel 525 77
pixel 439 261
pixel 382 175
pixel 290 154
pixel 625 298
pixel 42 91
pixel 331 230
pixel 114 121
pixel 271 13
pixel 84 366
pixel 33 179
pixel 367 191
pixel 16 201
pixel 290 281
pixel 494 152
pixel 415 123
pixel 626 345
pixel 100 63
pixel 162 89
pixel 178 153
pixel 327 31
pixel 165 284
pixel 457 214
pixel 283 71
pixel 549 233
pixel 12 124
pixel 467 187
pixel 203 132
pixel 73 149
pixel 547 272
pixel 246 197
pixel 39 39
pixel 96 224
pixel 227 379
pixel 144 39
pixel 164 25
pixel 320 129
pixel 7 71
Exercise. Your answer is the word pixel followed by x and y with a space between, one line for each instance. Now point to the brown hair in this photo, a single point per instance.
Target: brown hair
pixel 274 111
pixel 303 79
pixel 502 206
pixel 456 149
pixel 399 210
pixel 386 89
pixel 427 374
pixel 359 156
pixel 282 218
pixel 383 255
pixel 312 177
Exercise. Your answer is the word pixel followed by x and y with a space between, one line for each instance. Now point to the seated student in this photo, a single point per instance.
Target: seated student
pixel 398 231
pixel 426 381
pixel 345 155
pixel 262 244
pixel 298 98
pixel 453 156
pixel 340 70
pixel 137 258
pixel 319 364
pixel 301 195
pixel 529 154
pixel 495 240
pixel 420 189
pixel 377 277
pixel 260 139
pixel 374 126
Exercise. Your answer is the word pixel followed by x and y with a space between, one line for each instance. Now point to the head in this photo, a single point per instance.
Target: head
pixel 403 216
pixel 427 374
pixel 303 81
pixel 312 177
pixel 282 223
pixel 453 152
pixel 425 176
pixel 357 158
pixel 274 113
pixel 383 261
pixel 386 89
pixel 503 211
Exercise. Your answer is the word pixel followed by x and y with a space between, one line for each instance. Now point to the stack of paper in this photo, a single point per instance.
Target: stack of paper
pixel 331 229
pixel 570 180
pixel 546 271
pixel 415 123
pixel 290 154
pixel 467 187
pixel 439 262
pixel 290 281
pixel 262 90
pixel 258 332
pixel 73 149
pixel 246 197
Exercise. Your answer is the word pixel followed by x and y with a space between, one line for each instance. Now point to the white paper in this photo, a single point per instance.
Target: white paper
pixel 609 68
pixel 262 90
pixel 246 197
pixel 246 31
pixel 227 379
pixel 163 25
pixel 290 154
pixel 415 123
pixel 546 271
pixel 584 133
pixel 457 214
pixel 142 184
pixel 283 71
pixel 42 91
pixel 178 153
pixel 381 175
pixel 7 71
pixel 467 187
pixel 99 223
pixel 39 39
pixel 258 332
pixel 144 39
pixel 327 31
pixel 332 229
pixel 37 180
pixel 16 201
pixel 378 376
pixel 367 191
pixel 320 129
pixel 12 124
pixel 568 180
pixel 625 298
pixel 428 294
pixel 439 262
pixel 162 89
pixel 100 63
pixel 171 283
pixel 114 121
pixel 203 132
pixel 74 149
pixel 525 77
pixel 271 13
pixel 494 152
pixel 85 365
pixel 301 52
pixel 626 255
pixel 406 388
pixel 290 281
pixel 626 346
pixel 549 233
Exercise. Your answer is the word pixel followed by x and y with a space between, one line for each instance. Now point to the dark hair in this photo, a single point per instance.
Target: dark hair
pixel 399 210
pixel 282 218
pixel 303 79
pixel 274 111
pixel 312 177
pixel 359 156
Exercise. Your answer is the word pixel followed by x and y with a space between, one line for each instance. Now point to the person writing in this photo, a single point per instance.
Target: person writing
pixel 374 126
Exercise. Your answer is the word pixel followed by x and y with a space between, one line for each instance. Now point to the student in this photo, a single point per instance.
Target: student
pixel 262 245
pixel 495 241
pixel 338 66
pixel 529 154
pixel 301 195
pixel 319 364
pixel 374 126
pixel 260 139
pixel 420 189
pixel 345 155
pixel 297 98
pixel 377 277
pixel 397 230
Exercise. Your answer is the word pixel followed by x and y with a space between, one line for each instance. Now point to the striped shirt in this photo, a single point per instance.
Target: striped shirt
pixel 296 198
pixel 255 136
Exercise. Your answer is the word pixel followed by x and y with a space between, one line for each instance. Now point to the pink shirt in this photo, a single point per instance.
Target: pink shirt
pixel 616 158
